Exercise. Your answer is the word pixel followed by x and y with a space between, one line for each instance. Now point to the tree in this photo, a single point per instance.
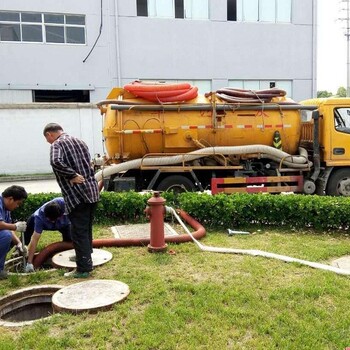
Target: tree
pixel 324 93
pixel 341 92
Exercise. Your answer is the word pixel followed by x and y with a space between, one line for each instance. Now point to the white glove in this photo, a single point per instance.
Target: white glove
pixel 29 268
pixel 23 250
pixel 21 226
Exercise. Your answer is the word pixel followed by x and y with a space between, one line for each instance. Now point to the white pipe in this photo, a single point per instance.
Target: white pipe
pixel 257 252
pixel 265 151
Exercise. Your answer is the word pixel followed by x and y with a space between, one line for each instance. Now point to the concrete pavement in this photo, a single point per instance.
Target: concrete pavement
pixel 33 186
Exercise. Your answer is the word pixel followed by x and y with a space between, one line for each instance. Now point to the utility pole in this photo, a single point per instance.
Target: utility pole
pixel 347 34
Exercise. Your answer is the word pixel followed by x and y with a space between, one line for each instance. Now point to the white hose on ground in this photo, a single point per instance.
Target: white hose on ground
pixel 253 252
pixel 294 161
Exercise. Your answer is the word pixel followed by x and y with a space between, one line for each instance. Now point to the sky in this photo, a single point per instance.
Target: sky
pixel 331 45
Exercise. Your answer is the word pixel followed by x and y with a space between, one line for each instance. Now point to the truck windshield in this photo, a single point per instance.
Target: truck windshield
pixel 342 119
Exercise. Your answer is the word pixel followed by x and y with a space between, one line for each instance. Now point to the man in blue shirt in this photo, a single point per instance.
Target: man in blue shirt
pixel 10 199
pixel 51 217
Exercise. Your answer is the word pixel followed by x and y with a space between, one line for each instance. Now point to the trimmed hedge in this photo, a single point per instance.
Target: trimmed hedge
pixel 293 211
pixel 219 211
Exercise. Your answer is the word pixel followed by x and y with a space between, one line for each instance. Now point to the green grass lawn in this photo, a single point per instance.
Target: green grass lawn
pixel 199 300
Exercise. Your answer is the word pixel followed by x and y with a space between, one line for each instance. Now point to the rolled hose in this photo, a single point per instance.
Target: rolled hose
pixel 269 93
pixel 137 86
pixel 235 99
pixel 159 94
pixel 248 96
pixel 297 162
pixel 163 96
pixel 57 247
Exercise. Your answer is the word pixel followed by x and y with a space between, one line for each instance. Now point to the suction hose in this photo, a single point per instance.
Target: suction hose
pixel 295 161
pixel 257 252
pixel 57 247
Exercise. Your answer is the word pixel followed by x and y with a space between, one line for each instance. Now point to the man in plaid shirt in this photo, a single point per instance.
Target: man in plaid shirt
pixel 70 161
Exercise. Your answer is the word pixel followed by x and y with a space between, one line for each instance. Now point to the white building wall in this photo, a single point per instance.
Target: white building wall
pixel 24 149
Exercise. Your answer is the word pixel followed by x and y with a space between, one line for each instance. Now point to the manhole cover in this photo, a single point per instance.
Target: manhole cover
pixel 140 231
pixel 99 257
pixel 90 296
pixel 342 263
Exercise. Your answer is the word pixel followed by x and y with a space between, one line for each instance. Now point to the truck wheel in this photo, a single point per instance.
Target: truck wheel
pixel 177 184
pixel 339 183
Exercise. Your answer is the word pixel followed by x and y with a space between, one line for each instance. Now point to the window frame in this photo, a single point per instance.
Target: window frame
pixel 238 11
pixel 43 25
pixel 339 119
pixel 180 9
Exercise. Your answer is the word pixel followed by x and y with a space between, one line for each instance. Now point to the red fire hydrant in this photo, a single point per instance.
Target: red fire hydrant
pixel 155 212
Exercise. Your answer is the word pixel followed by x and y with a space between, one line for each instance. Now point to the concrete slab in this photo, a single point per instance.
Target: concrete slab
pixel 139 231
pixel 99 257
pixel 89 296
pixel 342 263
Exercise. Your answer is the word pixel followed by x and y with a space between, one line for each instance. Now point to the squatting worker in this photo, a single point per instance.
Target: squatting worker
pixel 49 217
pixel 70 161
pixel 10 199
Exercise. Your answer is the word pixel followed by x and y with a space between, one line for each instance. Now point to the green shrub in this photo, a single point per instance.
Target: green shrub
pixel 293 211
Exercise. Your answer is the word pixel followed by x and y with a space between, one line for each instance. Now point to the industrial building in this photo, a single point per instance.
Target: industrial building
pixel 58 58
pixel 78 50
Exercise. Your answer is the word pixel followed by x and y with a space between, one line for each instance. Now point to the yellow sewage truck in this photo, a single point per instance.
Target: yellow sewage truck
pixel 208 143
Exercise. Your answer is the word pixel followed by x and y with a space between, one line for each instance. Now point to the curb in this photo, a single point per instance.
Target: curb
pixel 18 178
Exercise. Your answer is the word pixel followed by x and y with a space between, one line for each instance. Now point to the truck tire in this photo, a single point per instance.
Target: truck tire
pixel 177 184
pixel 339 183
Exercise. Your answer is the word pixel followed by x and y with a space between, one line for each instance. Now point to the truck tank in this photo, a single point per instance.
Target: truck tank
pixel 143 127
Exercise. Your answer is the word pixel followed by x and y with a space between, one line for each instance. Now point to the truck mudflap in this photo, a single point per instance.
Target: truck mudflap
pixel 270 184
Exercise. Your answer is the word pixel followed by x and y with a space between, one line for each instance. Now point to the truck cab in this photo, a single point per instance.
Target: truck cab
pixel 334 143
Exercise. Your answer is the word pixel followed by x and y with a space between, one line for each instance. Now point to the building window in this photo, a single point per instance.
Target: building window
pixel 61 96
pixel 161 8
pixel 179 9
pixel 275 11
pixel 285 85
pixel 142 8
pixel 42 27
pixel 196 9
pixel 190 9
pixel 232 10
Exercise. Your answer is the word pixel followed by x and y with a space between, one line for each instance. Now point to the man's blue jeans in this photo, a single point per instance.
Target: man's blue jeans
pixel 5 244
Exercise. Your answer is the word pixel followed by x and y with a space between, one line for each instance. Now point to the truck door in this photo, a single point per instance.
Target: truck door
pixel 340 140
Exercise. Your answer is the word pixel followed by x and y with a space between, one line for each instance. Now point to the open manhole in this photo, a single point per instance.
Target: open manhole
pixel 25 306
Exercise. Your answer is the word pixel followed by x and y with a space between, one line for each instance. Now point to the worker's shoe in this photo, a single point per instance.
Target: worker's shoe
pixel 70 273
pixel 77 274
pixel 3 275
pixel 81 274
pixel 73 258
